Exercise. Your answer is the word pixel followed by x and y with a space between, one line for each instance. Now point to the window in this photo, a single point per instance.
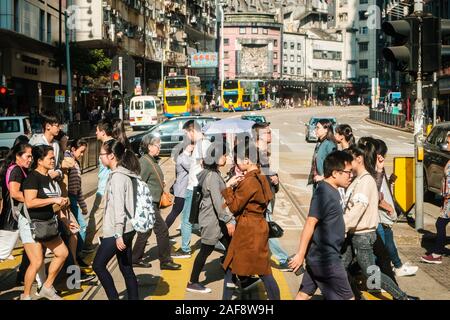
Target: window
pixel 285 58
pixel 265 31
pixel 363 64
pixel 41 25
pixel 299 46
pixel 226 67
pixel 299 71
pixel 49 28
pixel 9 126
pixel 362 15
pixel 299 59
pixel 226 41
pixel 364 46
pixel 226 55
pixel 343 17
pixel 275 68
pixel 275 43
pixel 241 30
pixel 285 70
pixel 364 79
pixel 292 70
pixel 275 55
pixel 363 1
pixel 292 45
pixel 285 45
pixel 254 30
pixel 364 30
pixel 292 58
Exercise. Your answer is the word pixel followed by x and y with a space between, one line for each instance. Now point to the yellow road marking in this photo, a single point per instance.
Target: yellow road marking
pixel 285 292
pixel 172 284
pixel 12 264
pixel 376 296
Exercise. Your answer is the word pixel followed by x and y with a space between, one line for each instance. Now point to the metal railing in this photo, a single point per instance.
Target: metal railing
pixel 396 120
pixel 90 158
pixel 79 129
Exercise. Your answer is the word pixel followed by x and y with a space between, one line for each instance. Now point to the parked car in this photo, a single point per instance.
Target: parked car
pixel 254 117
pixel 310 130
pixel 435 158
pixel 10 129
pixel 171 133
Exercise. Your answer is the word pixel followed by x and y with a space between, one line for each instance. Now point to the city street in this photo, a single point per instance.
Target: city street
pixel 291 209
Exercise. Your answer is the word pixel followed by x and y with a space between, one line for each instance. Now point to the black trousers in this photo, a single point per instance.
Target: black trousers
pixel 162 239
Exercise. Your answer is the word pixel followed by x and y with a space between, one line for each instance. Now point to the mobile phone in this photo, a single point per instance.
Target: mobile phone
pixel 392 178
pixel 300 270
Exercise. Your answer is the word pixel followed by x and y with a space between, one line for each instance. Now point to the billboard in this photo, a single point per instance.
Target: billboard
pixel 204 60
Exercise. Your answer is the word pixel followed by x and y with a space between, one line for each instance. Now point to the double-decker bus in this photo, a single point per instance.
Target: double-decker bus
pixel 262 94
pixel 231 95
pixel 182 96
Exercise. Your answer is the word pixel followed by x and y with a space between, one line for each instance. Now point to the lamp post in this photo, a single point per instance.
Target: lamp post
pixel 222 63
pixel 163 44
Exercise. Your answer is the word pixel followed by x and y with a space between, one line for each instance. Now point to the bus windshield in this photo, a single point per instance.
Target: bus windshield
pixel 176 83
pixel 230 84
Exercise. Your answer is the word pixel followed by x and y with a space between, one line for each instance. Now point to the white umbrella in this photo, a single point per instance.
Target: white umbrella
pixel 230 125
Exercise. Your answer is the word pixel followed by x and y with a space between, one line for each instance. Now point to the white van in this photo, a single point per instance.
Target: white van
pixel 11 128
pixel 145 112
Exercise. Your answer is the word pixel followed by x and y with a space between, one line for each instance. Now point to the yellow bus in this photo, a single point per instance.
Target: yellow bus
pixel 262 94
pixel 182 96
pixel 231 95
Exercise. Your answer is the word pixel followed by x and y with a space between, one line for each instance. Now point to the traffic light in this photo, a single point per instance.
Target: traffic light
pixel 405 40
pixel 3 91
pixel 433 31
pixel 116 91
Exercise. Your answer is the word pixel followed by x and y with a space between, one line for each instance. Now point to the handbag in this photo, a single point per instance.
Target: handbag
pixel 197 196
pixel 275 231
pixel 166 198
pixel 42 230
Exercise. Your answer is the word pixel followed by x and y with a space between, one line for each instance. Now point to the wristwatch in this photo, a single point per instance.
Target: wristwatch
pixel 117 236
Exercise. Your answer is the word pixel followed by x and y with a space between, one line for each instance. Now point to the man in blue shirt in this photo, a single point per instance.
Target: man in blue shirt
pixel 324 233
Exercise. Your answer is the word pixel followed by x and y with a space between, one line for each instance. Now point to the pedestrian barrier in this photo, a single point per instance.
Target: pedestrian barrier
pixel 79 129
pixel 405 186
pixel 90 158
pixel 396 120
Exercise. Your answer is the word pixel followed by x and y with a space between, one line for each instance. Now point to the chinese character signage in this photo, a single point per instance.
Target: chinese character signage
pixel 204 60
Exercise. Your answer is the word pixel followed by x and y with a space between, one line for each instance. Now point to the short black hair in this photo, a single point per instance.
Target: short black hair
pixel 49 117
pixel 382 148
pixel 191 125
pixel 336 161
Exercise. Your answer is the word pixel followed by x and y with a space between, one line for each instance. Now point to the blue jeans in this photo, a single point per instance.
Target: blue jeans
pixel 186 226
pixel 81 221
pixel 363 247
pixel 387 236
pixel 275 246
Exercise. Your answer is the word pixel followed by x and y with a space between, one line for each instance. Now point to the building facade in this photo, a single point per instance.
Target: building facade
pixel 252 46
pixel 30 35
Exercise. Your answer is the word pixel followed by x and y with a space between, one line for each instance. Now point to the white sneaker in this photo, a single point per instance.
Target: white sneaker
pixel 49 293
pixel 406 270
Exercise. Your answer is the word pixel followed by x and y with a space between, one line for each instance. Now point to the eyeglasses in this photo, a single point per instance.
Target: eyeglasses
pixel 349 172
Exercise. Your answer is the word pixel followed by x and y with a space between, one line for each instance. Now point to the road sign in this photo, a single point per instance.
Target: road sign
pixel 60 96
pixel 204 60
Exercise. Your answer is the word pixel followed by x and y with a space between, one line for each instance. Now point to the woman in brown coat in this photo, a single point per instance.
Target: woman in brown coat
pixel 247 198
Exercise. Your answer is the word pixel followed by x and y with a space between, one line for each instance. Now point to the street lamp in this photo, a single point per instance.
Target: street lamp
pixel 222 5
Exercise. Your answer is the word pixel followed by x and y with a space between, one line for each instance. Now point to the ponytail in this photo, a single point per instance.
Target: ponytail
pixel 347 132
pixel 125 157
pixel 367 148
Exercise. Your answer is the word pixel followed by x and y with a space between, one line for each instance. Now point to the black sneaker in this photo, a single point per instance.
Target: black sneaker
pixel 170 266
pixel 142 264
pixel 180 254
pixel 249 282
pixel 197 287
pixel 87 277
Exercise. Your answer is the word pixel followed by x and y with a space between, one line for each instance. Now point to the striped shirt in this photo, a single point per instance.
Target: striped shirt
pixel 74 185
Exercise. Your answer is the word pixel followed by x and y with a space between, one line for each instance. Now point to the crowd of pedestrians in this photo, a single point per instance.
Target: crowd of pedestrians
pixel 347 234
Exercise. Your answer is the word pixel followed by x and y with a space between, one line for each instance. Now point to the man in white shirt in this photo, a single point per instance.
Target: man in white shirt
pixel 194 133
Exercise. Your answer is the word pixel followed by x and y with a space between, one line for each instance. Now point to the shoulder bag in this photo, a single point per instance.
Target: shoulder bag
pixel 42 230
pixel 166 198
pixel 275 231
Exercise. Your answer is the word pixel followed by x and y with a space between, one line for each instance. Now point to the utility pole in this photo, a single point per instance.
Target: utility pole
pixel 435 89
pixel 68 69
pixel 121 87
pixel 418 125
pixel 163 55
pixel 145 49
pixel 222 61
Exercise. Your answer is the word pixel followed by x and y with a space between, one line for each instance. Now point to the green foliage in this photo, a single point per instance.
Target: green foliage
pixel 91 63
